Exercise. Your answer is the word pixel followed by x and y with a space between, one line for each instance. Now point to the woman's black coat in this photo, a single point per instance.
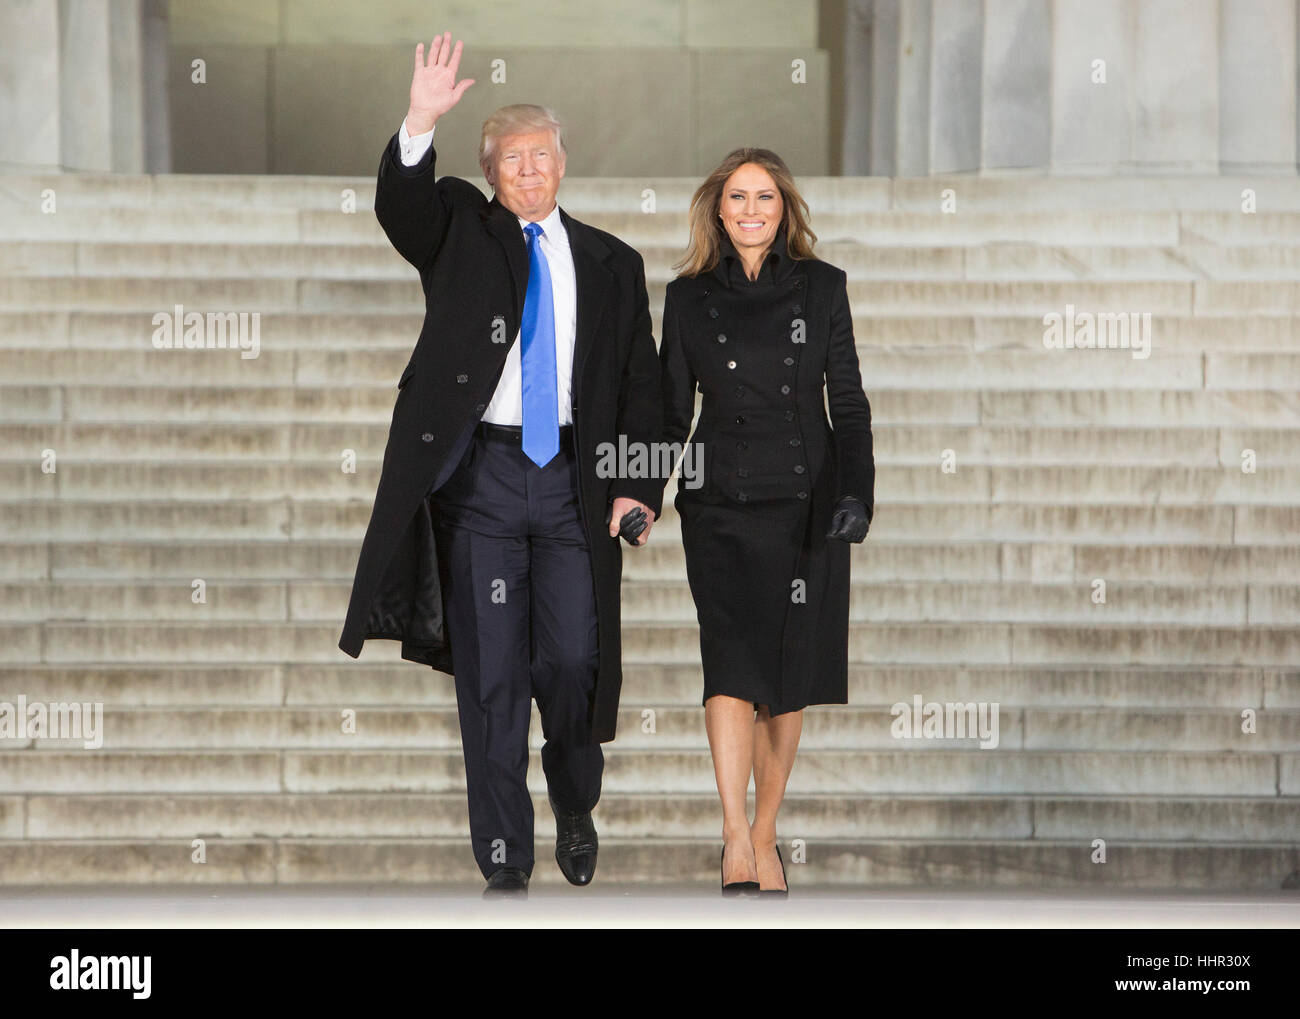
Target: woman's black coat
pixel 473 264
pixel 763 353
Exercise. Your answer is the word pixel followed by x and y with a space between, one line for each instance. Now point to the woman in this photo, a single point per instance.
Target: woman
pixel 761 325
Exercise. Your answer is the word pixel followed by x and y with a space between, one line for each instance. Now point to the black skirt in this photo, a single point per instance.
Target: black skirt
pixel 770 595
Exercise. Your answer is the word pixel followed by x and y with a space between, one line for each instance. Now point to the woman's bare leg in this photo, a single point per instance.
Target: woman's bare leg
pixel 775 742
pixel 730 725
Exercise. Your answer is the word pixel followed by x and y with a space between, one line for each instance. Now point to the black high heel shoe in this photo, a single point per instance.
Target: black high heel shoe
pixel 736 887
pixel 783 892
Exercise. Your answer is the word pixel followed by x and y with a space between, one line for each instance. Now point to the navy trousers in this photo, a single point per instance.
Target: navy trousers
pixel 521 615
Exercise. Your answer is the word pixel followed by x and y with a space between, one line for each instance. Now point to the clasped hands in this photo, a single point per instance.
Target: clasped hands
pixel 631 519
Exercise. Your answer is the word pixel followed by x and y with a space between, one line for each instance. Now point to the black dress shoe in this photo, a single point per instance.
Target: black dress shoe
pixel 507 881
pixel 575 844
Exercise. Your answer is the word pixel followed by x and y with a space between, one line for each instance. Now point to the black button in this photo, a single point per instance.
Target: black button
pixel 480 407
pixel 740 419
pixel 789 415
pixel 462 379
pixel 722 337
pixel 742 496
pixel 740 390
pixel 713 313
pixel 798 468
pixel 798 284
pixel 797 308
pixel 802 495
pixel 742 444
pixel 706 293
pixel 785 390
pixel 789 361
pixel 794 442
pixel 742 472
pixel 427 436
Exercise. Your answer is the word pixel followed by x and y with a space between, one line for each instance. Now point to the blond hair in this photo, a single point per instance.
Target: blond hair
pixel 707 231
pixel 520 118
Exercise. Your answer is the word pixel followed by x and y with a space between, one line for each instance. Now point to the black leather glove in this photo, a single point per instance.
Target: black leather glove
pixel 850 521
pixel 632 524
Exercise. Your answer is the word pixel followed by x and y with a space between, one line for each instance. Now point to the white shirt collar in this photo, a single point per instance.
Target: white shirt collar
pixel 552 226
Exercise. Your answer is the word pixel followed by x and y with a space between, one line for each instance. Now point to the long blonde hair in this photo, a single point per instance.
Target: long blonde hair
pixel 707 231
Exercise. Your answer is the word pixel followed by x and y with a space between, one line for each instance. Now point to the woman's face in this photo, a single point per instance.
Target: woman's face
pixel 751 209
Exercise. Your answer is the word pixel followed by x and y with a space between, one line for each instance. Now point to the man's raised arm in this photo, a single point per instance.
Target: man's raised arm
pixel 407 202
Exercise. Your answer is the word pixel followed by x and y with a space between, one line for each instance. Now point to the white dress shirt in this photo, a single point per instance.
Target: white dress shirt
pixel 506 406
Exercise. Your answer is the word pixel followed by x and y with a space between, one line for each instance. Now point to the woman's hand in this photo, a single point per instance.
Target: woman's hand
pixel 850 521
pixel 434 89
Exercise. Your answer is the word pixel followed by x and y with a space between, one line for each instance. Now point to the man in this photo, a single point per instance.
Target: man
pixel 492 551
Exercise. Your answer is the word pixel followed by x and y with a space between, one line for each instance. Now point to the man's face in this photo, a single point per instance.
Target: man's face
pixel 525 173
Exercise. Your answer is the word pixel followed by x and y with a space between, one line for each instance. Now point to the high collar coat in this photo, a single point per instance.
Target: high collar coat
pixel 473 264
pixel 769 355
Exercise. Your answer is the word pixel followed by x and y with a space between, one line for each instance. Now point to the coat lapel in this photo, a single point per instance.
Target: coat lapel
pixel 504 226
pixel 593 282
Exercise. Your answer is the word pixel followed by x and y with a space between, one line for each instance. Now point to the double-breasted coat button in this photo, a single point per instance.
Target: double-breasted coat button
pixel 722 337
pixel 742 496
pixel 742 444
pixel 789 415
pixel 798 468
pixel 480 407
pixel 731 364
pixel 794 442
pixel 742 472
pixel 798 284
pixel 713 313
pixel 802 495
pixel 427 436
pixel 462 379
pixel 797 308
pixel 740 419
pixel 789 361
pixel 785 390
pixel 740 390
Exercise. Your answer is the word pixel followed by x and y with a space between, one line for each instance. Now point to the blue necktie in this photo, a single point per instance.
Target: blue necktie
pixel 541 439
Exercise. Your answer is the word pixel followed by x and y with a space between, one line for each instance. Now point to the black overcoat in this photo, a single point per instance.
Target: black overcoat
pixel 473 263
pixel 768 356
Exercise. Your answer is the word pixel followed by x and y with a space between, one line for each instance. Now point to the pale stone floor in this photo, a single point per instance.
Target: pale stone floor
pixel 627 906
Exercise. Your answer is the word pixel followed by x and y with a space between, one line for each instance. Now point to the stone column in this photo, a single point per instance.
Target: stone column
pixel 71 94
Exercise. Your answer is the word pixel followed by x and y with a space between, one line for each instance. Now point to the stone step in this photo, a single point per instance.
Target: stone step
pixel 941 560
pixel 85 442
pixel 812 819
pixel 1080 484
pixel 978 865
pixel 209 401
pixel 148 294
pixel 313 520
pixel 1053 371
pixel 1267 261
pixel 364 684
pixel 670 601
pixel 73 643
pixel 242 224
pixel 1042 194
pixel 825 730
pixel 386 337
pixel 839 773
